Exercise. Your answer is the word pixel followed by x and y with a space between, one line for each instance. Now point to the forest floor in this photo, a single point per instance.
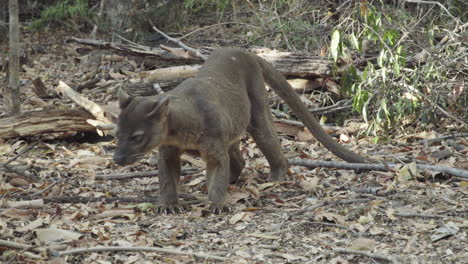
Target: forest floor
pixel 316 216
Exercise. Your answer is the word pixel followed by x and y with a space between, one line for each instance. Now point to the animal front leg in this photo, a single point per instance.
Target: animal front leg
pixel 217 172
pixel 169 173
pixel 236 162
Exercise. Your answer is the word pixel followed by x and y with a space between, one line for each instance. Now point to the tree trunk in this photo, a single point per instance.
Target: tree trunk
pixel 3 24
pixel 116 16
pixel 11 98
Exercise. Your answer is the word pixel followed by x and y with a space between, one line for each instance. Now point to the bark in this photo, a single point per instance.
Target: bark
pixel 39 122
pixel 3 24
pixel 11 98
pixel 288 63
pixel 116 16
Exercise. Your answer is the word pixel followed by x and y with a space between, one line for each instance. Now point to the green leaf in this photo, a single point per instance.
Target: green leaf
pixel 381 58
pixel 354 41
pixel 334 44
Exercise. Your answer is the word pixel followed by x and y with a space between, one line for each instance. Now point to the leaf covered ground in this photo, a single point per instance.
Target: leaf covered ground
pixel 316 216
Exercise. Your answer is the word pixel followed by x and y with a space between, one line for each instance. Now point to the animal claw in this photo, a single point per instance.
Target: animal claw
pixel 220 208
pixel 169 209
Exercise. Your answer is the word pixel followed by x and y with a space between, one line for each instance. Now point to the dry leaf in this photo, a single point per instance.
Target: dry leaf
pixel 362 244
pixel 50 235
pixel 128 213
pixel 309 184
pixel 236 217
pixel 408 172
pixel 234 197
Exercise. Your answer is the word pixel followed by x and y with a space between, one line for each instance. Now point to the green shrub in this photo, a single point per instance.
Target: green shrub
pixel 69 13
pixel 387 90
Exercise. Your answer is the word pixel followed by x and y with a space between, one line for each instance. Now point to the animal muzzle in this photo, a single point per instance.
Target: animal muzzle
pixel 121 159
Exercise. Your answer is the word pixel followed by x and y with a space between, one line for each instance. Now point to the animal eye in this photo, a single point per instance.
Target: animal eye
pixel 137 138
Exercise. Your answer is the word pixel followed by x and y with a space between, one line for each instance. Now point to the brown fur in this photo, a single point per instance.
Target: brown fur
pixel 209 114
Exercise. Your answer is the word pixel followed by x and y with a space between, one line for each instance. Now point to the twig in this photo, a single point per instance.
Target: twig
pixel 133 175
pixel 367 254
pixel 431 140
pixel 147 249
pixel 19 154
pixel 215 25
pixel 78 199
pixel 420 215
pixel 84 200
pixel 46 189
pixel 328 202
pixel 373 166
pixel 329 224
pixel 440 5
pixel 180 43
pixel 15 245
pixel 340 105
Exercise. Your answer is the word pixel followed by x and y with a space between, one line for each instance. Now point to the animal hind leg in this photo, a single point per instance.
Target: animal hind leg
pixel 261 129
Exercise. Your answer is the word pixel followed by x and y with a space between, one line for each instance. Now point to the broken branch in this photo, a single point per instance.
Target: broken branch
pixel 373 166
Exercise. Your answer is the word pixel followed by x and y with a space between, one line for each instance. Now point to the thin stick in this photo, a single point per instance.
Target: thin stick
pixel 329 224
pixel 132 175
pixel 374 166
pixel 147 249
pixel 215 25
pixel 15 245
pixel 367 254
pixel 328 202
pixel 439 4
pixel 432 140
pixel 180 43
pixel 19 154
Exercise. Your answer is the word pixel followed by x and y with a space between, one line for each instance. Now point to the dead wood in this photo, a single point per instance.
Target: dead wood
pixel 288 63
pixel 91 83
pixel 377 167
pixel 19 154
pixel 190 199
pixel 159 250
pixel 88 105
pixel 390 259
pixel 134 49
pixel 148 88
pixel 45 121
pixel 40 89
pixel 138 174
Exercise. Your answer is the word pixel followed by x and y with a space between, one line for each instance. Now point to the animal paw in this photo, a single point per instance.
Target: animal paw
pixel 220 208
pixel 169 209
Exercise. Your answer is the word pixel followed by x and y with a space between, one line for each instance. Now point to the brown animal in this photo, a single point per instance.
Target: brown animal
pixel 208 115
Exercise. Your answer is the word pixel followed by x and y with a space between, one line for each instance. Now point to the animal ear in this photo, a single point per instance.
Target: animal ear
pixel 159 108
pixel 124 99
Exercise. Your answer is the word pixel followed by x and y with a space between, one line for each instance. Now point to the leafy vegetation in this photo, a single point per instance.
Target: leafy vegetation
pixel 402 64
pixel 393 81
pixel 64 12
pixel 196 7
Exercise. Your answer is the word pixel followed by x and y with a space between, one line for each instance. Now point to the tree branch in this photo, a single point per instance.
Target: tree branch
pixel 367 254
pixel 147 249
pixel 373 166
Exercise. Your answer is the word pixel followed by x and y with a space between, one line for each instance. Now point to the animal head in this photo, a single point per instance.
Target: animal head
pixel 141 126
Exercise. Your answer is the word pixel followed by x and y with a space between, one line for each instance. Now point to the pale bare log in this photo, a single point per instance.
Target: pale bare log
pixel 47 121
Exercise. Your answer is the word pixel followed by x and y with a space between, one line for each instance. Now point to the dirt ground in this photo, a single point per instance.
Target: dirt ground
pixel 316 216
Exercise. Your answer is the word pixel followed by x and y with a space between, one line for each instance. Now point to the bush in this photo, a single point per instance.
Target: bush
pixel 69 13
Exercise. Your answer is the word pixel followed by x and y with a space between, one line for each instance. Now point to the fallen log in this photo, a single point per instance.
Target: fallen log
pixel 45 121
pixel 288 63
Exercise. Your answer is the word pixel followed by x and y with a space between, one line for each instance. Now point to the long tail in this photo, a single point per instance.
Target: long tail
pixel 281 86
